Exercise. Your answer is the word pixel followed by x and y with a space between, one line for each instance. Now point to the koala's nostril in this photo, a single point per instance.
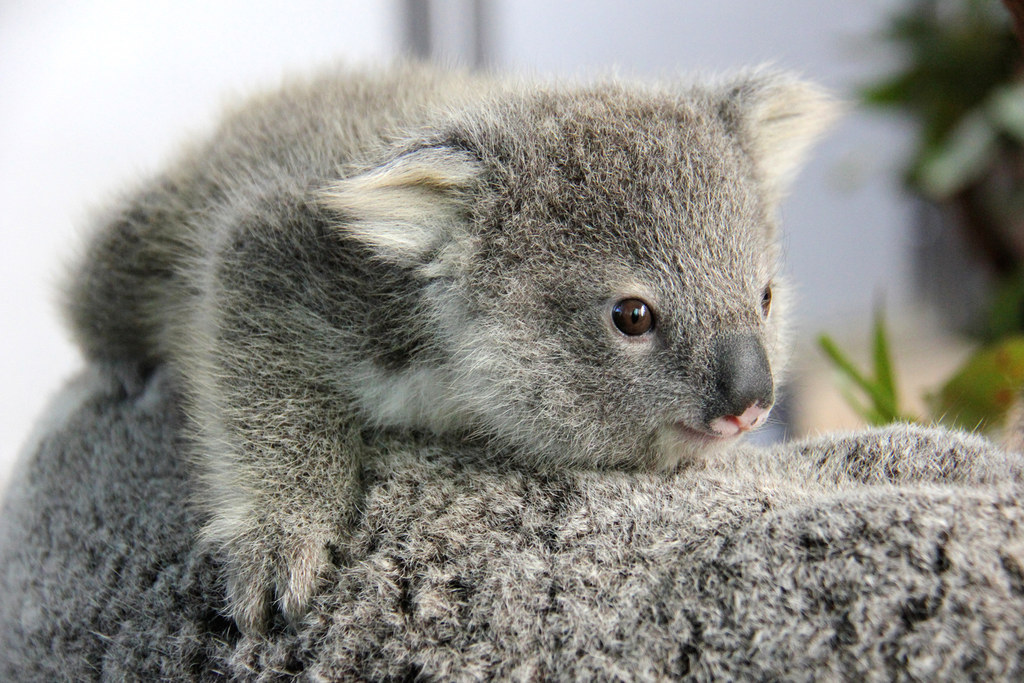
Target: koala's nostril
pixel 744 389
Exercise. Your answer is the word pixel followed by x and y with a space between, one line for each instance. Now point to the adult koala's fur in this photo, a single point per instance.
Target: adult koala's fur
pixel 439 256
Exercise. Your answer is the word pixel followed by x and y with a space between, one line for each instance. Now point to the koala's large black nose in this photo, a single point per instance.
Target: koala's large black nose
pixel 744 390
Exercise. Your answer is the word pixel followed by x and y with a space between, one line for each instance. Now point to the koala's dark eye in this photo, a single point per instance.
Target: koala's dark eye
pixel 766 301
pixel 632 317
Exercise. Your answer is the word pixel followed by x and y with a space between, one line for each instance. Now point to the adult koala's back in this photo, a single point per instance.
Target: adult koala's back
pixel 561 275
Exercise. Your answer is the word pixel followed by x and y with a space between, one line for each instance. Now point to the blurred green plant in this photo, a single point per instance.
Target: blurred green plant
pixel 880 404
pixel 959 60
pixel 980 394
pixel 977 397
pixel 960 82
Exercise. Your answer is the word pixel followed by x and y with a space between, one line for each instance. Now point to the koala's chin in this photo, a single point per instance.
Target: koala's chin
pixel 676 444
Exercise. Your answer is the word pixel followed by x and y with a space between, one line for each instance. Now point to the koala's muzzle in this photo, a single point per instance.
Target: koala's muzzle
pixel 744 390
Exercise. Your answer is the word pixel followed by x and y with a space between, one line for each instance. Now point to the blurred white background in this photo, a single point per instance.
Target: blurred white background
pixel 94 94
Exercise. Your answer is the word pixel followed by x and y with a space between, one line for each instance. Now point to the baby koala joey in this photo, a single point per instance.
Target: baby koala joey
pixel 574 275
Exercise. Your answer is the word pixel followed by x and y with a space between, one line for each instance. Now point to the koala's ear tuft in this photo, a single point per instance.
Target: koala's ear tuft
pixel 777 118
pixel 409 207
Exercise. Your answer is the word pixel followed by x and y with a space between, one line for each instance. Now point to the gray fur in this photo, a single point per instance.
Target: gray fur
pixel 474 483
pixel 404 253
pixel 890 554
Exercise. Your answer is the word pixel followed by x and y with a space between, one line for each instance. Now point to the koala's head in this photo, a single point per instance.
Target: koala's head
pixel 599 265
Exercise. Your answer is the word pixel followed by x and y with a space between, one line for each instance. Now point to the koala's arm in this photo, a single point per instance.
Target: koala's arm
pixel 281 492
pixel 266 360
pixel 268 317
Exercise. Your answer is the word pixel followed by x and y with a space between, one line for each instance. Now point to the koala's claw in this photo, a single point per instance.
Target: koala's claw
pixel 249 599
pixel 267 577
pixel 306 565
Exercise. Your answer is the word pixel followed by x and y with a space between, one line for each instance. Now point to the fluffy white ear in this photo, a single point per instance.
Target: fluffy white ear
pixel 777 118
pixel 410 206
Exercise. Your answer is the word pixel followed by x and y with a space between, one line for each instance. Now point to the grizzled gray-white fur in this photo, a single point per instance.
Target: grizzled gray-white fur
pixel 880 555
pixel 567 275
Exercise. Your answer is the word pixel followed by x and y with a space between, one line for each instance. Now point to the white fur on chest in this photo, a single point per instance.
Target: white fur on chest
pixel 411 399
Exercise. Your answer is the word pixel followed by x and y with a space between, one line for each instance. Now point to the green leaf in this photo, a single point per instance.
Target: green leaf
pixel 1006 109
pixel 883 367
pixel 893 91
pixel 961 158
pixel 881 410
pixel 984 388
pixel 866 413
pixel 1006 310
pixel 844 364
pixel 856 404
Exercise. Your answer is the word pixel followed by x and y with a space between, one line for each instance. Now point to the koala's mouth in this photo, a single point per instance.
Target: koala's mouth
pixel 679 442
pixel 700 435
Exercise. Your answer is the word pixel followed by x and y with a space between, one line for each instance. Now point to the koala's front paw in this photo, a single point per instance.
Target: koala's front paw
pixel 277 568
